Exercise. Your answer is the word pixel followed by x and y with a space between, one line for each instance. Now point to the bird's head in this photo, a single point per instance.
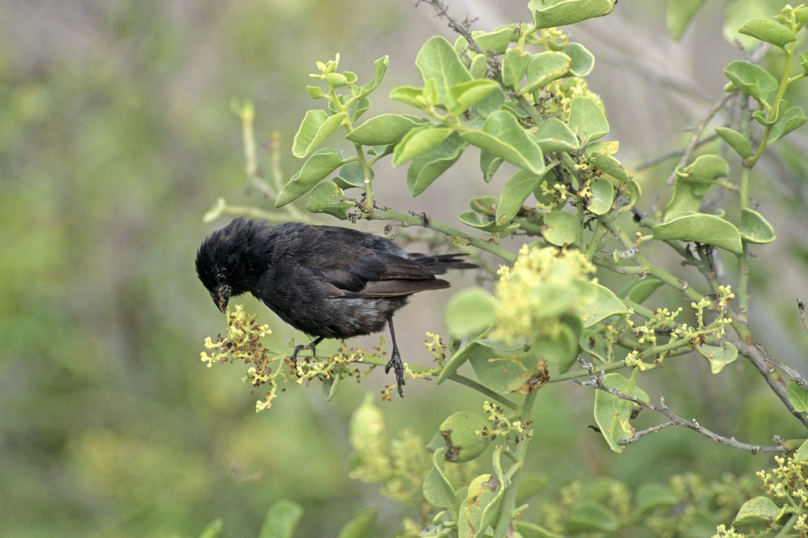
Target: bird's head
pixel 224 264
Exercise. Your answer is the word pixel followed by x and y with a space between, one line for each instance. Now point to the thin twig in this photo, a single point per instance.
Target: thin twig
pixel 646 431
pixel 697 130
pixel 671 154
pixel 757 357
pixel 597 383
pixel 464 29
pixel 795 376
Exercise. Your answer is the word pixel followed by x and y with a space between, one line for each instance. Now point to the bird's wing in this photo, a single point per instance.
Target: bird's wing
pixel 379 275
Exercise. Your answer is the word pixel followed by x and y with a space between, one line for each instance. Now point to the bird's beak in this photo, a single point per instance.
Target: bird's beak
pixel 221 297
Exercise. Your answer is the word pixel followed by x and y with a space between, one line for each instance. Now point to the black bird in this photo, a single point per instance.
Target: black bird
pixel 326 281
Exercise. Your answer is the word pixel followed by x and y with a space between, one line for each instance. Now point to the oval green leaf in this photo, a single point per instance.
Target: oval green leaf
pixel 769 31
pixel 385 129
pixel 550 13
pixel 514 193
pixel 612 414
pixel 587 120
pixel 544 68
pixel 751 79
pixel 316 126
pixel 469 312
pixel 329 198
pixel 718 356
pixel 417 141
pixel 438 61
pixel 428 166
pixel 606 304
pixel 736 141
pixel 514 67
pixel 321 163
pixel 502 136
pixel 554 135
pixel 560 228
pixel 583 61
pixel 701 228
pixel 754 228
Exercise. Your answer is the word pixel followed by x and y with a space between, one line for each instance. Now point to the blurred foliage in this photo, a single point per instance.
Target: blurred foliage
pixel 115 135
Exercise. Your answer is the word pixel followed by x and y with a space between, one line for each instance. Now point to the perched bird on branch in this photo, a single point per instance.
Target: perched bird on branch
pixel 326 281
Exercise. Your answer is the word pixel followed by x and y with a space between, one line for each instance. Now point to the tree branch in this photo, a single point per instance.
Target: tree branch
pixel 674 419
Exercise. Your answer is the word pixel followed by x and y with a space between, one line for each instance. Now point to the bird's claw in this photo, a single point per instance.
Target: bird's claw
pixel 398 367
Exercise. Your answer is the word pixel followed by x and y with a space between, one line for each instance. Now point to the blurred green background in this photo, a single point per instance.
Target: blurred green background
pixel 116 136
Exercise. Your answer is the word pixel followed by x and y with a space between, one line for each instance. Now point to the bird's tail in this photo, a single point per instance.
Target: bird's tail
pixel 438 264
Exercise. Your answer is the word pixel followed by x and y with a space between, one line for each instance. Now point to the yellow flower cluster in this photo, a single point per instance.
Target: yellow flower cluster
pixel 544 285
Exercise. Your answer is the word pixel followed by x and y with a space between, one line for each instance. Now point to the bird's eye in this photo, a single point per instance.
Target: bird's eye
pixel 220 277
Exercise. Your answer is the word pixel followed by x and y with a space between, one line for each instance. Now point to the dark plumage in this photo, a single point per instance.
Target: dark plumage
pixel 326 281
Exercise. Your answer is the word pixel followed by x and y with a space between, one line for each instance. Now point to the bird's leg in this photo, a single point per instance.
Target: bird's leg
pixel 395 361
pixel 310 345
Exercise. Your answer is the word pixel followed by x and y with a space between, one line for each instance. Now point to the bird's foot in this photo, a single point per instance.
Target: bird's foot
pixel 311 345
pixel 398 367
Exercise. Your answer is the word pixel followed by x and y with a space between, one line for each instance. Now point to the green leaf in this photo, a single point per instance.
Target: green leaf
pixel 478 508
pixel 457 360
pixel 602 196
pixel 606 304
pixel 437 489
pixel 652 495
pixel 530 530
pixel 609 165
pixel 514 193
pixel 496 41
pixel 281 520
pixel 550 13
pixel 769 31
pixel 351 176
pixel 686 200
pixel 680 13
pixel 502 136
pixel 321 163
pixel 590 516
pixel 583 61
pixel 501 371
pixel 417 141
pixel 467 94
pixel 768 120
pixel 736 141
pixel 639 290
pixel 612 414
pixel 488 225
pixel 489 164
pixel 359 526
pixel 385 129
pixel 379 69
pixel 485 205
pixel 560 350
pixel 701 228
pixel 315 128
pixel 438 61
pixel 587 119
pixel 738 12
pixel 792 119
pixel 804 62
pixel 554 135
pixel 757 510
pixel 705 169
pixel 469 312
pixel 428 166
pixel 544 68
pixel 315 92
pixel 798 396
pixel 718 356
pixel 413 96
pixel 514 67
pixel 357 108
pixel 560 228
pixel 329 198
pixel 751 79
pixel 754 228
pixel 459 432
